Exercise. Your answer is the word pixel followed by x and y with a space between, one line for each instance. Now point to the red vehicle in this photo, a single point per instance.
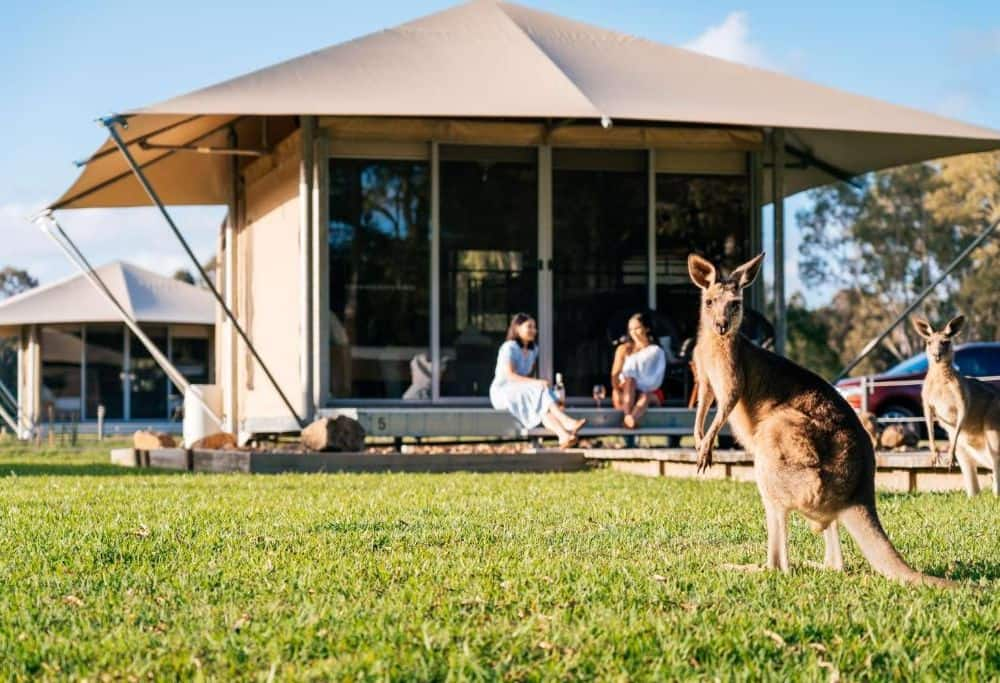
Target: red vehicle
pixel 895 393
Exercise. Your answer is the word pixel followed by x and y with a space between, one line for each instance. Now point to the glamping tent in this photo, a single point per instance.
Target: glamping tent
pixel 74 353
pixel 395 198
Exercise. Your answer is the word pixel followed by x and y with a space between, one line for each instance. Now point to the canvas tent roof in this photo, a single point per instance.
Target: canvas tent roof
pixel 147 296
pixel 491 59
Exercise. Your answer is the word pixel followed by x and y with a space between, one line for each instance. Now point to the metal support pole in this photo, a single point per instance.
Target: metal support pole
pixel 870 346
pixel 651 228
pixel 127 377
pixel 230 348
pixel 778 197
pixel 321 274
pixel 755 171
pixel 110 123
pixel 83 372
pixel 546 274
pixel 435 266
pixel 305 266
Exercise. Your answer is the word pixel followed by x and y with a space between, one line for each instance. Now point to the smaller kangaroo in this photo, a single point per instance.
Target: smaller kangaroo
pixel 810 451
pixel 969 410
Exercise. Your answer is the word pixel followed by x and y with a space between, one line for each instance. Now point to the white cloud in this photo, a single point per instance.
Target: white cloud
pixel 731 40
pixel 139 236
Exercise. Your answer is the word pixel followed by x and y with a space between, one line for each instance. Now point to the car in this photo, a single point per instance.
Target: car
pixel 895 393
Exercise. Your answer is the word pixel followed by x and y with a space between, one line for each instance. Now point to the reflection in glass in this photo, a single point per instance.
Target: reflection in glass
pixel 600 247
pixel 489 248
pixel 696 213
pixel 8 372
pixel 62 351
pixel 149 382
pixel 190 356
pixel 379 278
pixel 105 363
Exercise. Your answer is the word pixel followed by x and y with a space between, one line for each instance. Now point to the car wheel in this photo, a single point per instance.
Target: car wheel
pixel 900 411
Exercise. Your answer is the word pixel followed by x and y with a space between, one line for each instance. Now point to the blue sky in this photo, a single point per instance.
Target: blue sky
pixel 64 64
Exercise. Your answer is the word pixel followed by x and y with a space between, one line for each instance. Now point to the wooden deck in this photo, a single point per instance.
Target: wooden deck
pixel 276 462
pixel 897 471
pixel 902 471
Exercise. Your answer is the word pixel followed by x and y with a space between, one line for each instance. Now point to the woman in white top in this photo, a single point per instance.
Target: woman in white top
pixel 529 399
pixel 637 372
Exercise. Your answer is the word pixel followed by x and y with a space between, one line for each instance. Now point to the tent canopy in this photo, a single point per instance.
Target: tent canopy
pixel 148 298
pixel 499 60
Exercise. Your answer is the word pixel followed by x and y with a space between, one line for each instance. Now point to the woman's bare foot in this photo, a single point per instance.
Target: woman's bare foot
pixel 570 441
pixel 629 421
pixel 576 425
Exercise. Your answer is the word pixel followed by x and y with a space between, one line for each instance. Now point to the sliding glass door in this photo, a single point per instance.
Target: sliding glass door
pixel 489 255
pixel 600 258
pixel 379 248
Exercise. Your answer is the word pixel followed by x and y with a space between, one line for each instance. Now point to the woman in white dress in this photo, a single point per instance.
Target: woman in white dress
pixel 637 372
pixel 515 389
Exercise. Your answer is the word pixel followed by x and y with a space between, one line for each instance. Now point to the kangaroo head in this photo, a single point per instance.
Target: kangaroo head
pixel 722 297
pixel 938 344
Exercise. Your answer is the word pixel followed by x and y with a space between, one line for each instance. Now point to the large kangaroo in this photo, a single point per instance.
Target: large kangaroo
pixel 810 451
pixel 968 409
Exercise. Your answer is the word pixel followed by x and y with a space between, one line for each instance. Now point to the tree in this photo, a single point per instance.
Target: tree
pixel 882 244
pixel 14 281
pixel 968 198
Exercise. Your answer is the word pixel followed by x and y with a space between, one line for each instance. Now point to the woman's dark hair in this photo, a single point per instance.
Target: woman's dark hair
pixel 515 322
pixel 645 320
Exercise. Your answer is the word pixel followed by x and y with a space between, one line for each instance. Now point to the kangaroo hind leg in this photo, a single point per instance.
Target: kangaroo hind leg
pixel 777 536
pixel 833 558
pixel 993 448
pixel 970 474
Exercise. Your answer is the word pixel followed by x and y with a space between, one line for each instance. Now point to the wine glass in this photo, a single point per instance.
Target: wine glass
pixel 598 393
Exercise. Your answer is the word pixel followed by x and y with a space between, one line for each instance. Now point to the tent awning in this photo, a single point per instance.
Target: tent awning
pixel 502 61
pixel 147 296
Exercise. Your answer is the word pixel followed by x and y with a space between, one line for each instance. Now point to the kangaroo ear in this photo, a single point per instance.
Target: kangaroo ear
pixel 954 326
pixel 747 273
pixel 701 270
pixel 923 327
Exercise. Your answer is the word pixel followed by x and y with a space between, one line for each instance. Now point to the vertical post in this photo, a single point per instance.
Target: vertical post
pixel 321 272
pixel 305 266
pixel 22 382
pixel 778 197
pixel 170 357
pixel 127 376
pixel 230 347
pixel 435 267
pixel 546 276
pixel 83 372
pixel 34 377
pixel 651 228
pixel 755 171
pixel 101 411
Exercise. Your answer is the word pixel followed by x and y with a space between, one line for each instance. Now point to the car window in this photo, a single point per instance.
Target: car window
pixel 980 361
pixel 909 366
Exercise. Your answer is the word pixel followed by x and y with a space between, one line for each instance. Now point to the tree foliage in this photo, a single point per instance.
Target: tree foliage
pixel 880 245
pixel 14 281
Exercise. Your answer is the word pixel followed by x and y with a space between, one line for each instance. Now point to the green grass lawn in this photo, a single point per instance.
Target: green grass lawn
pixel 415 577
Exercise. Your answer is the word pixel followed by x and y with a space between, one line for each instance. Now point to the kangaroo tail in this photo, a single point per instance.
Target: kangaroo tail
pixel 862 522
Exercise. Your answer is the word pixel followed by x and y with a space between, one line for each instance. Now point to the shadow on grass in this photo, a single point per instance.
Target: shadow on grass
pixel 68 469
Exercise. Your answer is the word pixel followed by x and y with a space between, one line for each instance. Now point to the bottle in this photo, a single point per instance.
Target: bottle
pixel 560 389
